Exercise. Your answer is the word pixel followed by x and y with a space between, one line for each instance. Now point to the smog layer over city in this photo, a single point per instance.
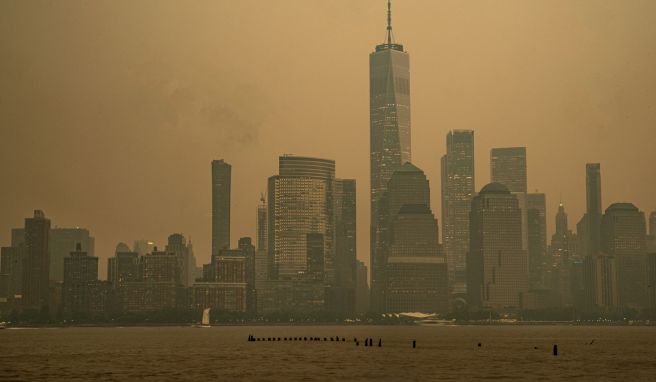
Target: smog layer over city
pixel 330 190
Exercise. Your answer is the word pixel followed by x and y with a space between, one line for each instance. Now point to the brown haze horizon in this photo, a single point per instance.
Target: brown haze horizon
pixel 111 112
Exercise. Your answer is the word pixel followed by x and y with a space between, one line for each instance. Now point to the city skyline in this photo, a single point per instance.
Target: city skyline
pixel 115 208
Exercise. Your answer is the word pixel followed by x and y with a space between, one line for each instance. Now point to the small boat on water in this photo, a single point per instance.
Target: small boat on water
pixel 3 325
pixel 205 322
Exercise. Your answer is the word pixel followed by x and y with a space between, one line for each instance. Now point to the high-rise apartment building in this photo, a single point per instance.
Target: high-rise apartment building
pixel 221 178
pixel 177 244
pixel 36 266
pixel 123 267
pixel 80 279
pixel 497 265
pixel 508 167
pixel 389 122
pixel 457 192
pixel 60 244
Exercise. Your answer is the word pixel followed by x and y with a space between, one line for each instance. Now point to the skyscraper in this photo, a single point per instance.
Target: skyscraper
pixel 389 122
pixel 457 192
pixel 593 208
pixel 343 296
pixel 408 185
pixel 221 177
pixel 508 167
pixel 623 237
pixel 497 265
pixel 416 273
pixel 36 267
pixel 536 204
pixel 563 245
pixel 301 202
pixel 262 224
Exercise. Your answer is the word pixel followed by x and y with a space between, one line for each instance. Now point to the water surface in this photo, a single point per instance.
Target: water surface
pixel 222 353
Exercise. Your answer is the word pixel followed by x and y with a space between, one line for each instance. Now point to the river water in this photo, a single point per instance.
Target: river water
pixel 224 354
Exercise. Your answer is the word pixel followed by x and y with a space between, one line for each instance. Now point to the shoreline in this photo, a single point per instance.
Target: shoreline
pixel 462 324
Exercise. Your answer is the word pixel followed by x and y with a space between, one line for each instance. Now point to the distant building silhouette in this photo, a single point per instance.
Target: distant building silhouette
pixel 623 237
pixel 11 272
pixel 36 266
pixel 221 188
pixel 508 167
pixel 592 244
pixel 61 241
pixel 262 225
pixel 82 294
pixel 343 293
pixel 458 184
pixel 123 267
pixel 497 265
pixel 248 251
pixel 390 144
pixel 536 204
pixel 362 289
pixel 562 254
pixel 415 273
pixel 177 244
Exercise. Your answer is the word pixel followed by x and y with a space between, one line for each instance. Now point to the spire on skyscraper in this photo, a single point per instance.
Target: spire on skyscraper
pixel 389 22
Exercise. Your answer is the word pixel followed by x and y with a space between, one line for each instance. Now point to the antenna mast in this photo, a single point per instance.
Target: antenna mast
pixel 389 22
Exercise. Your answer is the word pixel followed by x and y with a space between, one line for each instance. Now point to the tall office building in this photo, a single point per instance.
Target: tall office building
pixel 457 192
pixel 416 273
pixel 497 265
pixel 301 202
pixel 593 208
pixel 563 247
pixel 389 122
pixel 508 167
pixel 536 205
pixel 623 237
pixel 221 177
pixel 36 266
pixel 408 185
pixel 343 294
pixel 261 221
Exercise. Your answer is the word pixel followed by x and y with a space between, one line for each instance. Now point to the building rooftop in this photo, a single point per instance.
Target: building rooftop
pixel 494 188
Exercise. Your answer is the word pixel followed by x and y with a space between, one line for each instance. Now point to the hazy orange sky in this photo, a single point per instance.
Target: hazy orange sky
pixel 111 111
